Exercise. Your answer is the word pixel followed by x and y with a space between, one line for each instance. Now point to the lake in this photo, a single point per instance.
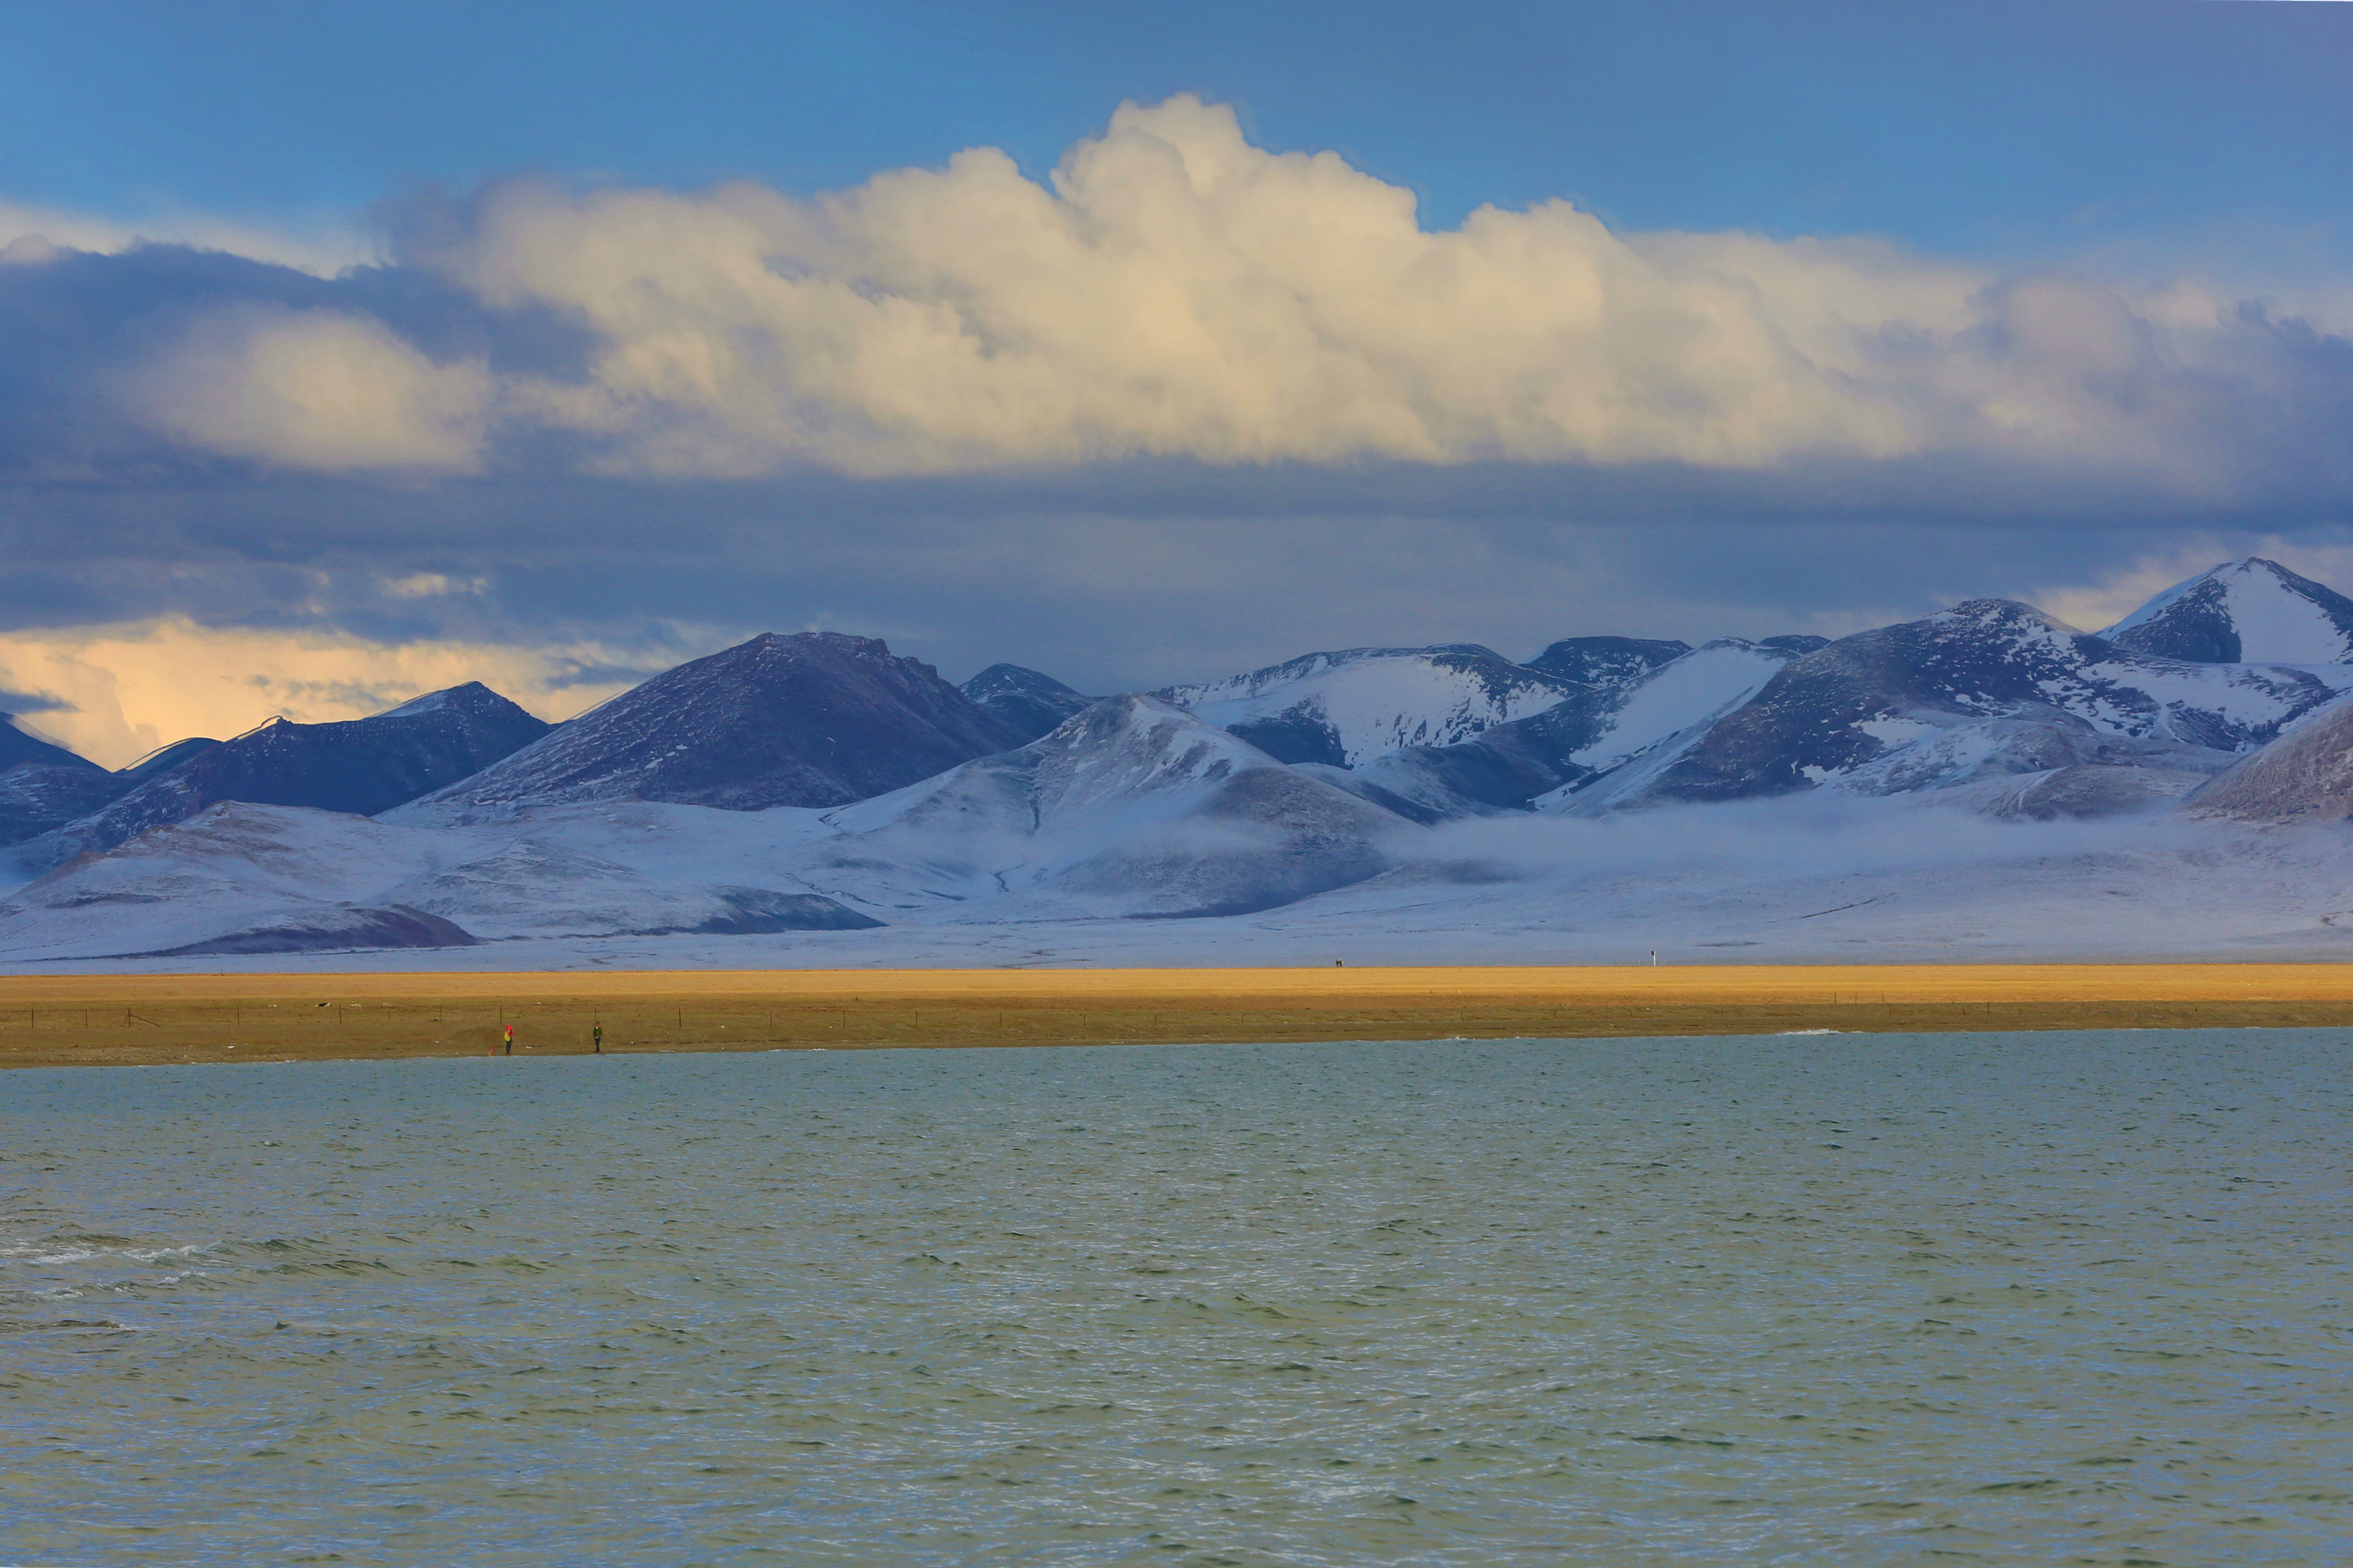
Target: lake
pixel 1849 1300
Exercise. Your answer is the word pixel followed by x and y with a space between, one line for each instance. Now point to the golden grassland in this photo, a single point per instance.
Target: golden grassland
pixel 62 1020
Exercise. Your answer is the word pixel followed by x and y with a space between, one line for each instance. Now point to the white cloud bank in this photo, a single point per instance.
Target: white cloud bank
pixel 1174 291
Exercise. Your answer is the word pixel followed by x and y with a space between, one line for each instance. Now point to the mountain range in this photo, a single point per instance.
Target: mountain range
pixel 818 785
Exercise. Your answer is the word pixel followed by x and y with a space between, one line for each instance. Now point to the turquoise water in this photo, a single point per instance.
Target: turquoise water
pixel 1860 1300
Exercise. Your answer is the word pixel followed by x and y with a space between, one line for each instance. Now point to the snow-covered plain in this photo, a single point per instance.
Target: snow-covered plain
pixel 1815 879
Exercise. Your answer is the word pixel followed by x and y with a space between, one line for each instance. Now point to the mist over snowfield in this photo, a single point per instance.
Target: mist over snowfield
pixel 1820 835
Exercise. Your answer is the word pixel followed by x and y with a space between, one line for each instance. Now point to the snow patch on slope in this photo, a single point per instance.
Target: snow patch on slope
pixel 1696 688
pixel 1347 708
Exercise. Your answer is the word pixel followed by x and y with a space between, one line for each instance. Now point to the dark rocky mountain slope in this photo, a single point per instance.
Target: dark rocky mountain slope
pixel 357 765
pixel 17 746
pixel 37 796
pixel 817 718
pixel 1031 702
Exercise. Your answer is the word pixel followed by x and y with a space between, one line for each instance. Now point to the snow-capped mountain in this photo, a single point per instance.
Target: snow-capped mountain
pixel 2243 612
pixel 1344 709
pixel 1135 806
pixel 1593 730
pixel 816 719
pixel 1032 703
pixel 816 792
pixel 1840 713
pixel 357 765
pixel 1132 808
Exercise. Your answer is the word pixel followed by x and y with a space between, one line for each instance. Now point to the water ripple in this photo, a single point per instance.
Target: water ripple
pixel 1855 1299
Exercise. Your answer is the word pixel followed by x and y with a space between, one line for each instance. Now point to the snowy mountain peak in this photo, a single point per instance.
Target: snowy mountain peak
pixel 1842 715
pixel 470 696
pixel 2250 611
pixel 2001 615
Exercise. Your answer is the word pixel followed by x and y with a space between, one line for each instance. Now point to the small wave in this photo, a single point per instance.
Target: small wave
pixel 82 1248
pixel 1783 1034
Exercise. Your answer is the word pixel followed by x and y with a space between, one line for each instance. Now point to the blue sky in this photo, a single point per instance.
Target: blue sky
pixel 1992 128
pixel 1798 317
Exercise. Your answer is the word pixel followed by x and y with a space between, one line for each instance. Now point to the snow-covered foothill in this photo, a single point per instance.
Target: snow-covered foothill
pixel 2304 777
pixel 1134 806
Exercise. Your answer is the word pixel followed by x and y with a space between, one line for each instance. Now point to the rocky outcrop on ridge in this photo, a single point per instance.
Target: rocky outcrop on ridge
pixel 1607 661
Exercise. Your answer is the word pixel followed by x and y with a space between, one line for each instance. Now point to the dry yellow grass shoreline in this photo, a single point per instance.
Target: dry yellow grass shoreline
pixel 64 1020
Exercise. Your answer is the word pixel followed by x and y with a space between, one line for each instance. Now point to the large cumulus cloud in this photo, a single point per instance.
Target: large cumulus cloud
pixel 1172 292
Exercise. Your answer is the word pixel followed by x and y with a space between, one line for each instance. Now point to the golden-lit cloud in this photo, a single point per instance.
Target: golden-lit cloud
pixel 127 690
pixel 1174 291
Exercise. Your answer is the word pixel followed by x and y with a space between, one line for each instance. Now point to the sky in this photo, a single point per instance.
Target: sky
pixel 348 351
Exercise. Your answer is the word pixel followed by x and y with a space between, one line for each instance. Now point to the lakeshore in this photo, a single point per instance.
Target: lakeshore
pixel 116 1020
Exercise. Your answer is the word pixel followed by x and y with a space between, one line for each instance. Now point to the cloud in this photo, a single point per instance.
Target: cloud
pixel 31 234
pixel 117 692
pixel 1821 834
pixel 1171 293
pixel 316 389
pixel 1174 291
